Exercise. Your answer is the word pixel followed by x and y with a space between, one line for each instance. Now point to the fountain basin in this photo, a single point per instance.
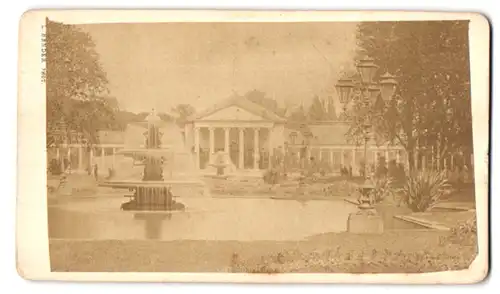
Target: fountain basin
pixel 130 184
pixel 180 188
pixel 168 169
pixel 155 153
pixel 157 195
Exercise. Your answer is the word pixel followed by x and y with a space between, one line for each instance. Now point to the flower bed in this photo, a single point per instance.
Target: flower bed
pixel 378 261
pixel 327 187
pixel 387 253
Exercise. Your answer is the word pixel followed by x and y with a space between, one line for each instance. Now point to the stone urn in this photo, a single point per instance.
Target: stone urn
pixel 366 220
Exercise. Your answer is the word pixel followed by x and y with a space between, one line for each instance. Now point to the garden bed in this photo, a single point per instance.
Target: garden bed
pixel 391 252
pixel 333 187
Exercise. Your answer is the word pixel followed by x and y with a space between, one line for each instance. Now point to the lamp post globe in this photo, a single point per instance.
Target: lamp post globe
pixel 388 86
pixel 373 93
pixel 366 68
pixel 344 88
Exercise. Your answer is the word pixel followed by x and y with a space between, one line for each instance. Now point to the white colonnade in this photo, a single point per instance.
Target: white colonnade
pixel 85 157
pixel 241 143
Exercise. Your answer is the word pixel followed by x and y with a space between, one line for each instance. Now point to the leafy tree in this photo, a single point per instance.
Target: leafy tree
pixel 297 115
pixel 317 111
pixel 260 98
pixel 297 119
pixel 432 104
pixel 331 112
pixel 123 118
pixel 165 116
pixel 76 84
pixel 182 112
pixel 321 111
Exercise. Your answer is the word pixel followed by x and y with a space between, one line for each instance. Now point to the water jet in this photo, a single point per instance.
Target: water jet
pixel 168 170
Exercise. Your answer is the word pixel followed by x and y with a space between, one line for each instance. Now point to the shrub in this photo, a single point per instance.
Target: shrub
pixel 346 188
pixel 424 189
pixel 383 187
pixel 381 169
pixel 55 167
pixel 465 233
pixel 396 172
pixel 356 261
pixel 272 176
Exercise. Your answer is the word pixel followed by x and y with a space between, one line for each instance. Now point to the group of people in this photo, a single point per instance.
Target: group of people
pixel 345 171
pixel 93 170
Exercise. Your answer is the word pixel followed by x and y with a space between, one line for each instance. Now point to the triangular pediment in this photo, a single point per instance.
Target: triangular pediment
pixel 237 108
pixel 233 113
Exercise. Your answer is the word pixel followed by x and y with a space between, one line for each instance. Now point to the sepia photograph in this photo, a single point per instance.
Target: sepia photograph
pixel 258 147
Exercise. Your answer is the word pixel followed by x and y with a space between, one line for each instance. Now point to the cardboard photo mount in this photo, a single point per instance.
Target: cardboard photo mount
pixel 32 232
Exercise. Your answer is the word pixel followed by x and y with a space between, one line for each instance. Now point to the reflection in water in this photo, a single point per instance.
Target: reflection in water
pixel 206 219
pixel 153 223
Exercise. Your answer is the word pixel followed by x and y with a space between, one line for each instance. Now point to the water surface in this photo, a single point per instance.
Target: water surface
pixel 205 219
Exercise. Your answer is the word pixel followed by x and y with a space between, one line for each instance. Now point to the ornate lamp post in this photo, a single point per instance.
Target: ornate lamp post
pixel 344 89
pixel 367 69
pixel 388 86
pixel 370 91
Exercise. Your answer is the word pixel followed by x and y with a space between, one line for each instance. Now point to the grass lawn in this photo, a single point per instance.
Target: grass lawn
pixel 391 252
pixel 396 251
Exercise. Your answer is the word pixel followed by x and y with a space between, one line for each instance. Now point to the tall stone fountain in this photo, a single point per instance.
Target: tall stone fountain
pixel 168 171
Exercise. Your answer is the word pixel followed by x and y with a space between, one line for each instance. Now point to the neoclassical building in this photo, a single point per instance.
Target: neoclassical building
pixel 250 134
pixel 237 126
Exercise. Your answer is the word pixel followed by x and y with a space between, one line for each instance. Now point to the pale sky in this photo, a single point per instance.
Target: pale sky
pixel 161 65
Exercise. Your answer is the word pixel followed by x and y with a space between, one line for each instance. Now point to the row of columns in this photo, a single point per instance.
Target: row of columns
pixel 435 163
pixel 241 144
pixel 386 151
pixel 80 156
pixel 333 150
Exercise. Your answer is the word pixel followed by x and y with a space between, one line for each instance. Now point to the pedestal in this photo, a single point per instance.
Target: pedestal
pixel 365 221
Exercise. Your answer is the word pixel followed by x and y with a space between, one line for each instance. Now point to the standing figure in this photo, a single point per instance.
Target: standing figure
pixel 303 154
pixel 465 174
pixel 96 172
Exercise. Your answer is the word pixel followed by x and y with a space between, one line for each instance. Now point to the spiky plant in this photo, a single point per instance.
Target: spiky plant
pixel 424 189
pixel 383 187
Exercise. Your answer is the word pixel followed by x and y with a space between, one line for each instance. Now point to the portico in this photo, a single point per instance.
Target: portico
pixel 247 132
pixel 238 138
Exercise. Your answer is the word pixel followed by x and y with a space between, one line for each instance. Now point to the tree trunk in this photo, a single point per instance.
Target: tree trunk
pixel 410 154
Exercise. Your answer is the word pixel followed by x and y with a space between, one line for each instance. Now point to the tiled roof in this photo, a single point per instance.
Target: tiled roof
pixel 319 133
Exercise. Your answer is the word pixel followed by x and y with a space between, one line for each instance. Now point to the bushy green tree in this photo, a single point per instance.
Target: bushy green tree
pixel 76 84
pixel 182 111
pixel 432 105
pixel 259 97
